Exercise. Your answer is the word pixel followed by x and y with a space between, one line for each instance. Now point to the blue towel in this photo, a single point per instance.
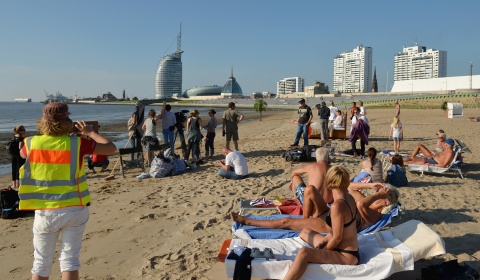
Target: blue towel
pixel 271 233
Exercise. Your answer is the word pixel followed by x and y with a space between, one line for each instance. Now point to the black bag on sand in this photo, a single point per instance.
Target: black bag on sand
pixel 294 155
pixel 310 152
pixel 9 201
pixel 449 270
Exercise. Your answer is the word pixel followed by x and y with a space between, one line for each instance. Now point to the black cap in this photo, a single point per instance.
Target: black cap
pixel 301 100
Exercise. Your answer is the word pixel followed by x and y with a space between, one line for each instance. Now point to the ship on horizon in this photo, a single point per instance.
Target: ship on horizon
pixel 57 97
pixel 23 99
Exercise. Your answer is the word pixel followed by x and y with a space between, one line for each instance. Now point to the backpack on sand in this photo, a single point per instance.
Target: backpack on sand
pixel 9 201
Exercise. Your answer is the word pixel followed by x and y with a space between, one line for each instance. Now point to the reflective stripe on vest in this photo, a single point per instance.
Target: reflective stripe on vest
pixel 51 177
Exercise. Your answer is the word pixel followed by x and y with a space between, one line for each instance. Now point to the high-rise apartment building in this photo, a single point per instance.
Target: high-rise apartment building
pixel 418 62
pixel 352 70
pixel 290 85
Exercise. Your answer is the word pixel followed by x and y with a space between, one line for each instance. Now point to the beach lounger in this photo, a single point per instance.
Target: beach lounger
pixel 455 166
pixel 253 232
pixel 381 254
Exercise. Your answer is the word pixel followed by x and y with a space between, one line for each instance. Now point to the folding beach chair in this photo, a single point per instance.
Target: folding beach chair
pixel 454 166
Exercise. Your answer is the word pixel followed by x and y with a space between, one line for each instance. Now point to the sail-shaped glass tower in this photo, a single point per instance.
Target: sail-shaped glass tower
pixel 168 78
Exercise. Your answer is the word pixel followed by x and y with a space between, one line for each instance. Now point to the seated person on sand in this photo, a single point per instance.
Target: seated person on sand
pixel 370 209
pixel 234 166
pixel 97 161
pixel 373 166
pixel 440 160
pixel 316 177
pixel 340 245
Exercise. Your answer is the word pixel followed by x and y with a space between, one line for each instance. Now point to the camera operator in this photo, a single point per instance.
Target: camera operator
pixel 169 121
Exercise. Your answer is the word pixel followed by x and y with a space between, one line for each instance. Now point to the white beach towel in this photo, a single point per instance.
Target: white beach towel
pixel 381 254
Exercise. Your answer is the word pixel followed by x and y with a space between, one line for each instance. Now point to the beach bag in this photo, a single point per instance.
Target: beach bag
pixel 309 151
pixel 12 147
pixel 179 166
pixel 294 155
pixel 9 201
pixel 160 167
pixel 396 176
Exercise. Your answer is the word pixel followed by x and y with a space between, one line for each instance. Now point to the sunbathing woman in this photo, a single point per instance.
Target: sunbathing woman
pixel 371 208
pixel 340 245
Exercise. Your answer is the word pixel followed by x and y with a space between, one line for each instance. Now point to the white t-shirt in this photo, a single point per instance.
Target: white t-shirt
pixel 237 160
pixel 363 111
pixel 333 112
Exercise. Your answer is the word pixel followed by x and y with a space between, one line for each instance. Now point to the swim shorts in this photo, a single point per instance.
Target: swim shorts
pixel 429 160
pixel 299 191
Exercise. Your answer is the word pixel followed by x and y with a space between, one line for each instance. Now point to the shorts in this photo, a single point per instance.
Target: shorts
pixel 396 139
pixel 230 134
pixel 299 192
pixel 429 160
pixel 47 226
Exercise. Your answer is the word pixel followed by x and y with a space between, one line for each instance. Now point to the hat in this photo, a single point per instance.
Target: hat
pixel 449 141
pixel 57 111
pixel 301 100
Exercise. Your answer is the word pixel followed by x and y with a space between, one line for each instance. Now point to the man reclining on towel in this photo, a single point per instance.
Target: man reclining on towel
pixel 371 208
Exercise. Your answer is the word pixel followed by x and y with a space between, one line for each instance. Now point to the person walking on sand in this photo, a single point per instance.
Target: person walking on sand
pixel 231 118
pixel 17 160
pixel 396 133
pixel 397 108
pixel 53 183
pixel 209 141
pixel 303 123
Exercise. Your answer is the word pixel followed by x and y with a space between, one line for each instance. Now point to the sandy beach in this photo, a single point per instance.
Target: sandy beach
pixel 172 228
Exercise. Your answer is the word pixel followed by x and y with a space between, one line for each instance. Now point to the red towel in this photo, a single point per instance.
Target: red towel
pixel 291 207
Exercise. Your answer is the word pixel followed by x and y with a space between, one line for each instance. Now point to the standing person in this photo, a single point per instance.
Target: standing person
pixel 231 118
pixel 150 135
pixel 340 245
pixel 397 108
pixel 360 130
pixel 55 161
pixel 396 133
pixel 194 136
pixel 324 114
pixel 168 125
pixel 209 141
pixel 234 166
pixel 353 109
pixel 17 160
pixel 303 123
pixel 333 112
pixel 133 140
pixel 363 111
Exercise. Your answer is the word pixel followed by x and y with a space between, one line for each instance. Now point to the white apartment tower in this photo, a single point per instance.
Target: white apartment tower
pixel 352 70
pixel 417 62
pixel 290 85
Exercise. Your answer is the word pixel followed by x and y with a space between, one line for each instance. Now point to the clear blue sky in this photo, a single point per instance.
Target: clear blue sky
pixel 93 47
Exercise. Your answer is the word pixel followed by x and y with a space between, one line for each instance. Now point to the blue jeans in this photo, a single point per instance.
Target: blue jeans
pixel 168 136
pixel 230 174
pixel 301 129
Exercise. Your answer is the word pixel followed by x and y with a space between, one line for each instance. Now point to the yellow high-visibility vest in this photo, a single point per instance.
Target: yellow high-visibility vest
pixel 52 177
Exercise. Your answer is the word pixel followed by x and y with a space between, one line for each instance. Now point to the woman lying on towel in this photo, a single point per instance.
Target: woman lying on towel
pixel 370 209
pixel 340 245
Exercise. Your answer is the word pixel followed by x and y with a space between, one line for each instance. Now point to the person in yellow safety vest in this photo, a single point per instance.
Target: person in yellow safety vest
pixel 53 183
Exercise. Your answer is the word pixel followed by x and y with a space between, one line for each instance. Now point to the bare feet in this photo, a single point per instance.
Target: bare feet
pixel 237 218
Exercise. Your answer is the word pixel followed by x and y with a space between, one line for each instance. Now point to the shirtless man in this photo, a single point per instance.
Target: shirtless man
pixel 440 160
pixel 316 177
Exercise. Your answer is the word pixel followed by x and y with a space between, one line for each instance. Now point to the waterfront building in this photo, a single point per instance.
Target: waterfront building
pixel 450 85
pixel 203 91
pixel 168 78
pixel 352 70
pixel 418 62
pixel 290 85
pixel 231 88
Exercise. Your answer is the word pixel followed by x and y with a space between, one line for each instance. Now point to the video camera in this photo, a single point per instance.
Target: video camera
pixel 180 118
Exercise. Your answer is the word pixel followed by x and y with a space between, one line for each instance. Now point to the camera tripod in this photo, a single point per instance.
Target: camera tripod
pixel 183 145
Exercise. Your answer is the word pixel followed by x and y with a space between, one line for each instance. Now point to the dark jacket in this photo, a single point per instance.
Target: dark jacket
pixel 324 112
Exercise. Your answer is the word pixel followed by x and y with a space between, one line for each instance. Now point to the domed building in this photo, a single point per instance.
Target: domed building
pixel 203 91
pixel 231 88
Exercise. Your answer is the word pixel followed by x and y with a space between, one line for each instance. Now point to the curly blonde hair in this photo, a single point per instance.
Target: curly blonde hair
pixel 55 128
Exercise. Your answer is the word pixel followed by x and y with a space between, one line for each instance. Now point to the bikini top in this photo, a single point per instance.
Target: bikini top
pixel 328 220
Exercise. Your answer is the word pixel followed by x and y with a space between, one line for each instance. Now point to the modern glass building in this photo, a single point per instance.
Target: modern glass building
pixel 168 79
pixel 203 91
pixel 231 88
